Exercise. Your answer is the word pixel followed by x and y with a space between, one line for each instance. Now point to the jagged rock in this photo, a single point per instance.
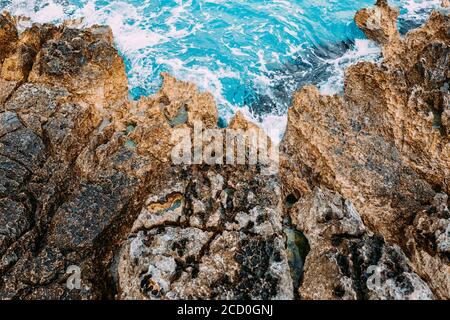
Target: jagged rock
pixel 88 180
pixel 412 91
pixel 429 242
pixel 215 233
pixel 86 63
pixel 8 88
pixel 79 176
pixel 384 145
pixel 332 146
pixel 17 66
pixel 346 261
pixel 8 35
pixel 53 219
pixel 176 99
pixel 379 22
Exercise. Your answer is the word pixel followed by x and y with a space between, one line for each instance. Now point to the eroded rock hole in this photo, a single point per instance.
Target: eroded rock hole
pixel 291 200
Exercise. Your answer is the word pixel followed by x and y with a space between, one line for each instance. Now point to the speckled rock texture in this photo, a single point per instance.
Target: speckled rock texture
pixel 87 180
pixel 358 208
pixel 384 145
pixel 346 260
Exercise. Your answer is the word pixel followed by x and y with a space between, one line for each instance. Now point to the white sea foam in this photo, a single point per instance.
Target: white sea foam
pixel 364 50
pixel 414 9
pixel 150 47
pixel 51 11
pixel 204 78
pixel 273 125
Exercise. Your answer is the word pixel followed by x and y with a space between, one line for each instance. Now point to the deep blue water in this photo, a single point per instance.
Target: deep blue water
pixel 251 53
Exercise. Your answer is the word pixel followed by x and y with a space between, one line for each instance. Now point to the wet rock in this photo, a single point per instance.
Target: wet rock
pixel 51 219
pixel 86 63
pixel 297 249
pixel 88 183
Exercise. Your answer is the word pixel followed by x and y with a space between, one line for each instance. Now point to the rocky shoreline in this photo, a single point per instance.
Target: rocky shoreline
pixel 357 210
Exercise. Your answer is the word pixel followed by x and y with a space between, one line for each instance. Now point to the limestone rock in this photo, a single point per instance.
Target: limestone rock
pixel 429 241
pixel 50 218
pixel 87 181
pixel 17 66
pixel 347 261
pixel 86 63
pixel 8 35
pixel 217 233
pixel 384 145
pixel 379 22
pixel 89 187
pixel 8 88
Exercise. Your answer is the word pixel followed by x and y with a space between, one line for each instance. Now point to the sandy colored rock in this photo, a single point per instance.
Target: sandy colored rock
pixel 88 178
pixel 86 63
pixel 8 35
pixel 17 66
pixel 7 88
pixel 177 97
pixel 361 166
pixel 429 241
pixel 379 22
pixel 383 145
pixel 82 182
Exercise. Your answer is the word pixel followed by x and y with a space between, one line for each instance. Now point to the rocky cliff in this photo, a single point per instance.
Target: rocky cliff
pixel 358 208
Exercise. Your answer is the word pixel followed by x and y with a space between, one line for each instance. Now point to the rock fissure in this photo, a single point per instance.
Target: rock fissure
pixel 357 210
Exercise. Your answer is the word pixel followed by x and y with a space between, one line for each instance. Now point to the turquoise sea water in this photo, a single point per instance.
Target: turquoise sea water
pixel 249 54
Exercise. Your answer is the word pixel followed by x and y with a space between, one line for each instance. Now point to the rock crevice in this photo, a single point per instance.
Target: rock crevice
pixel 87 178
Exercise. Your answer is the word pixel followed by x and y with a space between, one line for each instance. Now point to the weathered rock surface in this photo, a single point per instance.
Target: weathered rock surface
pixel 88 181
pixel 8 35
pixel 218 234
pixel 384 145
pixel 347 261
